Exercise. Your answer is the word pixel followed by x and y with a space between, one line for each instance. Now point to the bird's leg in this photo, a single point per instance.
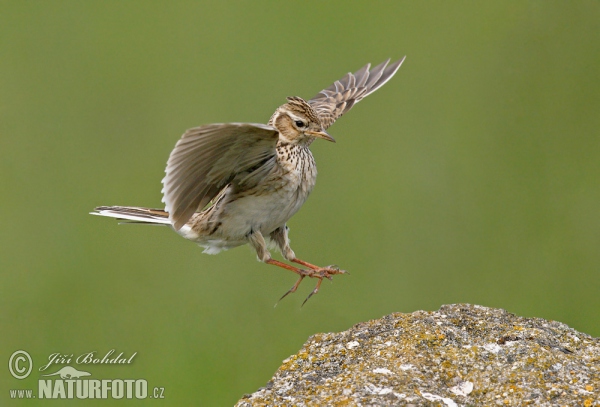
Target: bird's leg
pixel 302 273
pixel 325 272
pixel 257 241
pixel 280 237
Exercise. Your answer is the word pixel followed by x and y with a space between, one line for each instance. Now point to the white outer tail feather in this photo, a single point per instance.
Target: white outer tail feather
pixel 122 214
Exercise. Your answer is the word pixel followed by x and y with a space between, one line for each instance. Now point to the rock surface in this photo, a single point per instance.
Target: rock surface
pixel 461 355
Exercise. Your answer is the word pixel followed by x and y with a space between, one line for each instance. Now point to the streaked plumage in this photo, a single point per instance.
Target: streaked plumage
pixel 229 184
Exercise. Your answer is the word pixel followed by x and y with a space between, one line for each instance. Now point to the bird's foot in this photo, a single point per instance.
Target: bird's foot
pixel 322 272
pixel 313 272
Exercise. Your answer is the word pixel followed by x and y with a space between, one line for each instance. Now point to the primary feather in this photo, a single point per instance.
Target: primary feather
pixel 331 103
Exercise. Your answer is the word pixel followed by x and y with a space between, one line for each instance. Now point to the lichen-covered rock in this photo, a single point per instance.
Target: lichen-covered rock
pixel 461 355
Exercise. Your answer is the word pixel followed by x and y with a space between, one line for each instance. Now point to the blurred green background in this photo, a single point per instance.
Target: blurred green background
pixel 472 176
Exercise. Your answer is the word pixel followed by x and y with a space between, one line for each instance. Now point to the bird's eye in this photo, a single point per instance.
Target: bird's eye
pixel 299 123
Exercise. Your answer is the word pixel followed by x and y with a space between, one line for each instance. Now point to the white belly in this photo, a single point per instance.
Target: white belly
pixel 263 213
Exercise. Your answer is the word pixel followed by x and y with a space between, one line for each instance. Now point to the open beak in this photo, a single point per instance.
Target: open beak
pixel 321 134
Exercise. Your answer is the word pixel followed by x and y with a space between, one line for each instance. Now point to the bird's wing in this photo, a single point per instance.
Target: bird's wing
pixel 337 99
pixel 207 158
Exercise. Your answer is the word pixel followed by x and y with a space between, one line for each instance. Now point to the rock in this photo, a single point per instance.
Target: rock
pixel 461 355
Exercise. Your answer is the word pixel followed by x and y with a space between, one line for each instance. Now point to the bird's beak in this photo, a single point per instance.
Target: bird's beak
pixel 321 134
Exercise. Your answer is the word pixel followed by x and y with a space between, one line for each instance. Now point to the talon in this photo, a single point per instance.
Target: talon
pixel 291 290
pixel 282 297
pixel 309 295
pixel 316 290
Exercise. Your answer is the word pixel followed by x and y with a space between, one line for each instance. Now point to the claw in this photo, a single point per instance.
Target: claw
pixel 338 270
pixel 331 271
pixel 309 295
pixel 291 290
pixel 316 290
pixel 282 297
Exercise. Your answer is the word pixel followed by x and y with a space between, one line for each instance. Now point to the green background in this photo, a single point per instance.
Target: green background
pixel 472 176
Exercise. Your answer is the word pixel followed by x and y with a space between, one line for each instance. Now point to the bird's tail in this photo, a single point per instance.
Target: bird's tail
pixel 134 214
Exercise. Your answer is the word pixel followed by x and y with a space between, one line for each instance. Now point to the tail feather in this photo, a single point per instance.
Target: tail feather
pixel 134 214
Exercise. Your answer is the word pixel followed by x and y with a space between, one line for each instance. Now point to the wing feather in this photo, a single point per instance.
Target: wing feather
pixel 208 158
pixel 332 102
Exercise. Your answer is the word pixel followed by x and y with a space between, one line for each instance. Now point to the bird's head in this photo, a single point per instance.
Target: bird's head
pixel 298 123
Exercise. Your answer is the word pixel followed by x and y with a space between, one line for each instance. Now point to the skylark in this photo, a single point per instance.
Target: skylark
pixel 229 184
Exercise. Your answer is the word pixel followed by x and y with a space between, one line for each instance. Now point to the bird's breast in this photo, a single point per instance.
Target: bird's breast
pixel 271 203
pixel 286 189
pixel 297 167
pixel 278 197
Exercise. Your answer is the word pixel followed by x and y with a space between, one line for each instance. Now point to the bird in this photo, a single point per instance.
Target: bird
pixel 230 184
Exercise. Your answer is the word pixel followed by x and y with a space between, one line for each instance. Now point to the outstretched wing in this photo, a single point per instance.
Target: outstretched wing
pixel 207 158
pixel 337 99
